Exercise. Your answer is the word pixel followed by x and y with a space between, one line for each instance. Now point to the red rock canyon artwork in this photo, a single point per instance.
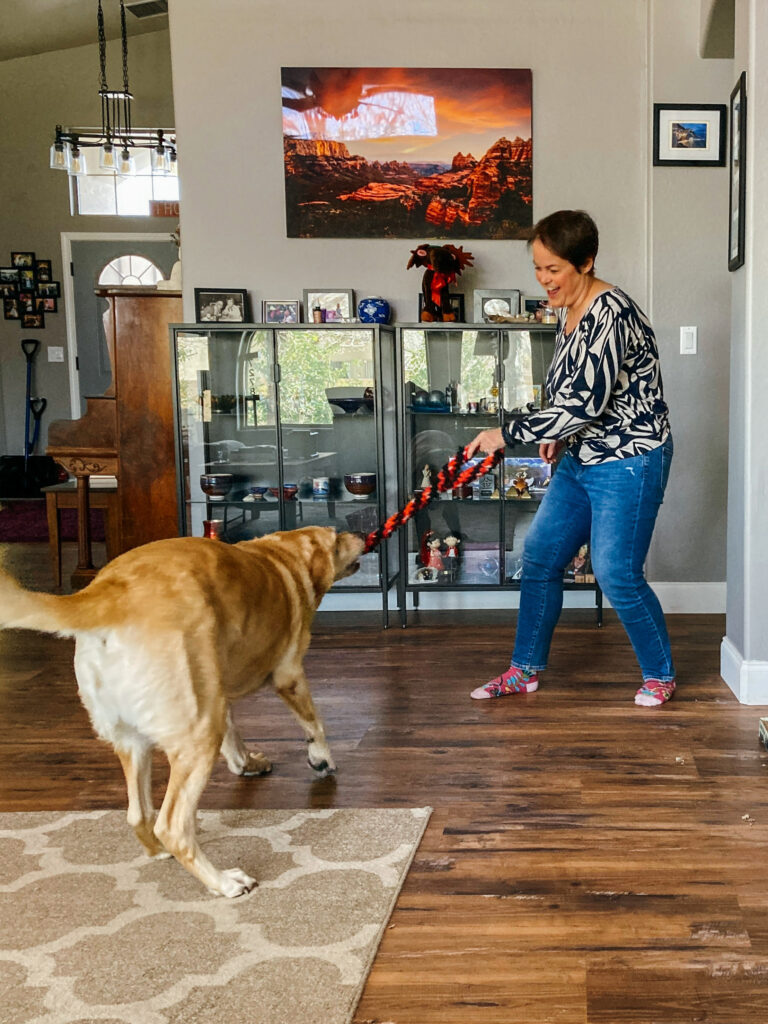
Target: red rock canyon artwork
pixel 407 152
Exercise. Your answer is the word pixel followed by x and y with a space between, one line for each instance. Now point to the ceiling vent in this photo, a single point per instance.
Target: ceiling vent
pixel 146 8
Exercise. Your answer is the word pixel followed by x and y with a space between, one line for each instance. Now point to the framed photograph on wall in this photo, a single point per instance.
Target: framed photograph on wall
pixel 23 259
pixel 689 134
pixel 280 311
pixel 335 304
pixel 225 305
pixel 43 270
pixel 9 275
pixel 496 302
pixel 738 181
pixel 457 305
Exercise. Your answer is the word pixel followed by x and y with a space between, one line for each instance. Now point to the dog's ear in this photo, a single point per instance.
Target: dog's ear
pixel 349 547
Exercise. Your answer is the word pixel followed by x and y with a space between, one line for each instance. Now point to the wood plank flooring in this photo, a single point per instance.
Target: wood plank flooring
pixel 587 861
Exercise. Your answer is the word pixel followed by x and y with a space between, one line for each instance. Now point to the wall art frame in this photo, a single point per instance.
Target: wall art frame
pixel 737 175
pixel 689 134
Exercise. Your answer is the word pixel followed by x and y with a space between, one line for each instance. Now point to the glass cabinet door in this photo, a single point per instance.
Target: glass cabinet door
pixel 227 414
pixel 525 357
pixel 328 423
pixel 451 393
pixel 457 382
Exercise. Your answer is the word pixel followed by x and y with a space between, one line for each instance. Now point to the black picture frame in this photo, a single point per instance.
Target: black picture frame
pixel 737 180
pixel 9 275
pixel 689 134
pixel 33 320
pixel 23 259
pixel 457 305
pixel 11 309
pixel 43 270
pixel 50 289
pixel 27 281
pixel 211 305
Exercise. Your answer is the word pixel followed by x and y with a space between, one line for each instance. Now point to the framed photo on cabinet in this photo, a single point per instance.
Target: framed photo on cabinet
pixel 738 181
pixel 689 134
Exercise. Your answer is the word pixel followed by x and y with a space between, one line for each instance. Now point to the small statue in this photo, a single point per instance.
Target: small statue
pixel 443 264
pixel 426 477
pixel 452 556
pixel 521 484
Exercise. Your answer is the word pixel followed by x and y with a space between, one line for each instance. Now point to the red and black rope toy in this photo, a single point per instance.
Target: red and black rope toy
pixel 450 476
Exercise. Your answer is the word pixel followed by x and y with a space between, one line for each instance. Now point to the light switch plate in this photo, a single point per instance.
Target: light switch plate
pixel 55 354
pixel 688 341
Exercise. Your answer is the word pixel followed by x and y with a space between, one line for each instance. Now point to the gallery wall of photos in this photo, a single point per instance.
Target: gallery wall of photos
pixel 28 290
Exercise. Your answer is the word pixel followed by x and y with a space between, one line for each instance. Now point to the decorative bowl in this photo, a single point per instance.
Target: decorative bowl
pixel 258 491
pixel 216 485
pixel 361 485
pixel 351 406
pixel 289 491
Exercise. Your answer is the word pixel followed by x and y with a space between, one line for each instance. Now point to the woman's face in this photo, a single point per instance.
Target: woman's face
pixel 563 283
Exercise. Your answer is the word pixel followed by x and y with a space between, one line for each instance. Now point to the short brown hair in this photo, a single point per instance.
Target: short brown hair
pixel 570 234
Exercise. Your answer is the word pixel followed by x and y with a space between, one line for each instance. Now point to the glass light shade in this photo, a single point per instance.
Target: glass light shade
pixel 173 164
pixel 159 160
pixel 126 164
pixel 59 156
pixel 107 161
pixel 77 162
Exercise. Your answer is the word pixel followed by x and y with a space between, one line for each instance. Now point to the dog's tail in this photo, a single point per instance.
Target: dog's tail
pixel 27 609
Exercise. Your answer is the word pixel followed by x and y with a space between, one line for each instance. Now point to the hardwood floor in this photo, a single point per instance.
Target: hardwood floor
pixel 586 861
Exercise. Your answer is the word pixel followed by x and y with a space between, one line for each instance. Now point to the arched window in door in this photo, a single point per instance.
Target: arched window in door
pixel 131 270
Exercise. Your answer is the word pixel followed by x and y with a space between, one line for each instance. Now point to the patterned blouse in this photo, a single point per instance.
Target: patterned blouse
pixel 603 386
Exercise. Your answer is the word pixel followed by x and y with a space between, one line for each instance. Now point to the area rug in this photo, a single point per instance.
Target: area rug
pixel 26 521
pixel 91 929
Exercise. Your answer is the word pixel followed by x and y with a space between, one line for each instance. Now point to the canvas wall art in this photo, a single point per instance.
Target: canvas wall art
pixel 407 152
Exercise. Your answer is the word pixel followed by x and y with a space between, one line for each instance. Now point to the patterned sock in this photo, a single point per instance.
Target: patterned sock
pixel 514 680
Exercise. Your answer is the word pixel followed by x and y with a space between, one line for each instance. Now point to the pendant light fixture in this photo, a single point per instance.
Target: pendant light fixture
pixel 117 141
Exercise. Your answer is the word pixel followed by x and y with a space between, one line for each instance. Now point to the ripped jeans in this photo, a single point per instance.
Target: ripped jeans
pixel 612 506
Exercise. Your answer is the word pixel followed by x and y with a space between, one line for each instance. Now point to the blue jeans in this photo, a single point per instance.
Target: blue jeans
pixel 613 507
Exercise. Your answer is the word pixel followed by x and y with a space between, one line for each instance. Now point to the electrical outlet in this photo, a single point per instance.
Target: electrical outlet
pixel 55 354
pixel 688 341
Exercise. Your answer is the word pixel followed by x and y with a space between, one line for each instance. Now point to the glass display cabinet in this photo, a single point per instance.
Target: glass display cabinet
pixel 283 426
pixel 456 380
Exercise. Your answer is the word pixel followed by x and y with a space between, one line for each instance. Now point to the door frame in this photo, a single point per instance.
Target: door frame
pixel 67 238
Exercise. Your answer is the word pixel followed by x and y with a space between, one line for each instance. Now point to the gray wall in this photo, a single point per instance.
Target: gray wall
pixel 37 94
pixel 598 66
pixel 745 648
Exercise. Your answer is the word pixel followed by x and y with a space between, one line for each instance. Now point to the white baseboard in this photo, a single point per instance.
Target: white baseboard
pixel 747 679
pixel 675 598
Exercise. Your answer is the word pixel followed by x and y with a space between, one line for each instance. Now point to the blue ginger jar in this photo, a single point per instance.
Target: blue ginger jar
pixel 373 310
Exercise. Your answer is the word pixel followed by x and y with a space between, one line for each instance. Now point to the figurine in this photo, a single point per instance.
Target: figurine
pixel 452 555
pixel 430 557
pixel 521 484
pixel 426 477
pixel 443 264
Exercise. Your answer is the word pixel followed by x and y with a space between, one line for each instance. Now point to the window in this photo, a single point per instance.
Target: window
pixel 97 193
pixel 130 270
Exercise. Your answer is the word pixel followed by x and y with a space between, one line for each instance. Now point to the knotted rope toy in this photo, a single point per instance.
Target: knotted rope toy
pixel 450 476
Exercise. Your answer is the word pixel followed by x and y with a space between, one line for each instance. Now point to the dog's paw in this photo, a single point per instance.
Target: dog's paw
pixel 257 764
pixel 161 855
pixel 323 769
pixel 234 882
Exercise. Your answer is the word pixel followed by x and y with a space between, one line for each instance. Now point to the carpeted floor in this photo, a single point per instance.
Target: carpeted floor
pixel 25 521
pixel 91 929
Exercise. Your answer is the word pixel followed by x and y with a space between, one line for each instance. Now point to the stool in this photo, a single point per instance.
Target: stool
pixel 64 495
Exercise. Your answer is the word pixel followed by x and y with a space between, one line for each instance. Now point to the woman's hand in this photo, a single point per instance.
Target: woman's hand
pixel 549 450
pixel 486 441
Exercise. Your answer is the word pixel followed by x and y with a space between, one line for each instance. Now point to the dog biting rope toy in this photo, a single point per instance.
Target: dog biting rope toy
pixel 450 476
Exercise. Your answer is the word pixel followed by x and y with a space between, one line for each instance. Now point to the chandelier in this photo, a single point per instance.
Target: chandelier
pixel 117 147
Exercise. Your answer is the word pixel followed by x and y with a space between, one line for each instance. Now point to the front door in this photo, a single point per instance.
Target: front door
pixel 89 259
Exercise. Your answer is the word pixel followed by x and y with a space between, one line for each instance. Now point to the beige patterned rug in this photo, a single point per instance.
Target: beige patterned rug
pixel 92 930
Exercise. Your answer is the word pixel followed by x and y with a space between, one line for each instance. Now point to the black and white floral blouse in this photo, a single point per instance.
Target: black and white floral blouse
pixel 604 386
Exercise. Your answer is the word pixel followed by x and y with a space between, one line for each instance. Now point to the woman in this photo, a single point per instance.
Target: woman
pixel 606 408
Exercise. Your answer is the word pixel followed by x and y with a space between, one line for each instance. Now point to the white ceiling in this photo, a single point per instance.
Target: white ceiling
pixel 38 26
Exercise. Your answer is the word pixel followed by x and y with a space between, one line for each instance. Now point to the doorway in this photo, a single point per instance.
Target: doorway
pixel 87 255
